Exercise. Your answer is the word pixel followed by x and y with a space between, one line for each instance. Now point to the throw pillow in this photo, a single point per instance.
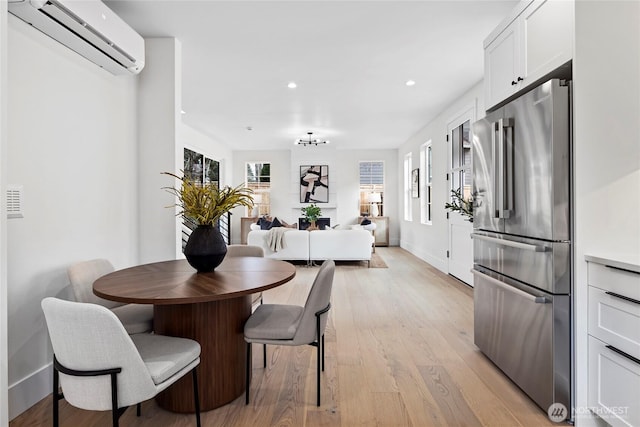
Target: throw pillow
pixel 365 221
pixel 275 223
pixel 264 223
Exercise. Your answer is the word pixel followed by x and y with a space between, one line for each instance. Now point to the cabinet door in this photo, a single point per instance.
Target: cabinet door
pixel 614 385
pixel 547 37
pixel 382 230
pixel 245 228
pixel 501 69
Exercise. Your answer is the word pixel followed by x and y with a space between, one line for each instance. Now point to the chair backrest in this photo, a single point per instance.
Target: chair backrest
pixel 245 250
pixel 318 298
pixel 83 274
pixel 90 337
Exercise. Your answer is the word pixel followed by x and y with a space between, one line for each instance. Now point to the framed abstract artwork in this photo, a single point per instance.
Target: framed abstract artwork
pixel 314 184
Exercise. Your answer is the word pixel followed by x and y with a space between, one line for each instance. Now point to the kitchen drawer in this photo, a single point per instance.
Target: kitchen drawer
pixel 613 279
pixel 615 320
pixel 614 385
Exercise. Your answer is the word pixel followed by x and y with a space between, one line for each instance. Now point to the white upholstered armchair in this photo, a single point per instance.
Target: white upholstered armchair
pixel 100 367
pixel 136 318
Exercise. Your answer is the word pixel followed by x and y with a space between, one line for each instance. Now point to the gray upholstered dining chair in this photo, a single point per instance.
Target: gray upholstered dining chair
pixel 293 325
pixel 249 251
pixel 100 367
pixel 136 318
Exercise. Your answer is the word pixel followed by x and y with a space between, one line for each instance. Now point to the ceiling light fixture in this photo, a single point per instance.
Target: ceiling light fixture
pixel 292 85
pixel 410 83
pixel 310 140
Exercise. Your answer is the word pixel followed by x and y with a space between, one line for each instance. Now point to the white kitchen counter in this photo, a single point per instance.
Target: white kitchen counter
pixel 622 261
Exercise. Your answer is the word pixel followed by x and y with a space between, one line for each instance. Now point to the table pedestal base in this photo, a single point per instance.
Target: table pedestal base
pixel 219 328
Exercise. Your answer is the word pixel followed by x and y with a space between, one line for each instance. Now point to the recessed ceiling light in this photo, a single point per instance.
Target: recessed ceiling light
pixel 292 85
pixel 183 112
pixel 410 83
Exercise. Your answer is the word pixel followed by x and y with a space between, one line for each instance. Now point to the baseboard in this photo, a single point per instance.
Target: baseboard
pixel 27 392
pixel 440 264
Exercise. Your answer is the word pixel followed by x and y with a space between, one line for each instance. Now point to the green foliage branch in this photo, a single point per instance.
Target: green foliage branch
pixel 460 204
pixel 205 204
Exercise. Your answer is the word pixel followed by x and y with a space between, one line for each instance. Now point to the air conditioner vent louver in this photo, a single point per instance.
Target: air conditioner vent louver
pixel 89 28
pixel 14 201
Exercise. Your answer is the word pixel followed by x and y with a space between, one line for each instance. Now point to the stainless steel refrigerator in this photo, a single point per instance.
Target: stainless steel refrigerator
pixel 522 241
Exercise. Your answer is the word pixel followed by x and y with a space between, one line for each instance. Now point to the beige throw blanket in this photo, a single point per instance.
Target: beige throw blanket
pixel 275 238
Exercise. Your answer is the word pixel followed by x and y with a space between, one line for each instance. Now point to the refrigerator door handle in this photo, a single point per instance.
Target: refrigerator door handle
pixel 503 242
pixel 504 186
pixel 495 128
pixel 532 298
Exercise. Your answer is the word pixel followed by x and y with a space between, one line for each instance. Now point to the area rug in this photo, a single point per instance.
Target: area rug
pixel 377 261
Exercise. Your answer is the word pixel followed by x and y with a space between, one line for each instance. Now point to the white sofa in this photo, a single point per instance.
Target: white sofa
pixel 296 244
pixel 316 245
pixel 340 245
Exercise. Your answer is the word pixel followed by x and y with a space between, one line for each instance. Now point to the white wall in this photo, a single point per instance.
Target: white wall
pixel 4 404
pixel 430 242
pixel 72 145
pixel 343 165
pixel 606 148
pixel 159 121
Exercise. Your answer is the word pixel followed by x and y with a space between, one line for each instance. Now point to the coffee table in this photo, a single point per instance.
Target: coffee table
pixel 210 308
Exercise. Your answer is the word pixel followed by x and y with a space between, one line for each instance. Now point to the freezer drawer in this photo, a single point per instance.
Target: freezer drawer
pixel 545 265
pixel 525 332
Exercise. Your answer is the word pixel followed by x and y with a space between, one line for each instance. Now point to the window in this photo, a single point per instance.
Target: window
pixel 426 198
pixel 461 159
pixel 408 165
pixel 258 178
pixel 371 188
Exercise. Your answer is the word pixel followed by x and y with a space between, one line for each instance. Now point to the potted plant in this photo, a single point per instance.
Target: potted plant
pixel 204 205
pixel 460 204
pixel 311 214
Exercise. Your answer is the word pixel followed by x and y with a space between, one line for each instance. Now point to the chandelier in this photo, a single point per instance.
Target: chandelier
pixel 310 140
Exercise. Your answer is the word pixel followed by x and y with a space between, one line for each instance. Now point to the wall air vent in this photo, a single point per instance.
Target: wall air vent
pixel 14 201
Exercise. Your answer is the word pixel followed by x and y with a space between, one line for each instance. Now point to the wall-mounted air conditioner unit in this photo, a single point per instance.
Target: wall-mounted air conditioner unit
pixel 88 27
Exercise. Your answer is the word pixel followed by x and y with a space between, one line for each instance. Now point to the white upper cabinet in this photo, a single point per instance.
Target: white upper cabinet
pixel 532 42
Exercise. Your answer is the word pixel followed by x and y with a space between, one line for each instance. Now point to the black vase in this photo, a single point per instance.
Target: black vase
pixel 205 248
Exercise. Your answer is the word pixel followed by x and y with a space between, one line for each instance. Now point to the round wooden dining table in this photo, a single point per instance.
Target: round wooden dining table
pixel 210 308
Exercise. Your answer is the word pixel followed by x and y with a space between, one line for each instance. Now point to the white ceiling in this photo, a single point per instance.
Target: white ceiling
pixel 350 60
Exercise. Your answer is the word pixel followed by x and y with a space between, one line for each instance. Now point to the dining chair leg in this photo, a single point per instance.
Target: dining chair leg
pixel 138 409
pixel 56 398
pixel 196 396
pixel 322 352
pixel 264 355
pixel 248 379
pixel 115 414
pixel 318 375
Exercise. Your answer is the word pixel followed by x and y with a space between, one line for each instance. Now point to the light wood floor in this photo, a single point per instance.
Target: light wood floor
pixel 399 352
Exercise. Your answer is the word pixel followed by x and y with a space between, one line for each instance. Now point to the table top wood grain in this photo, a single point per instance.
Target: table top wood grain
pixel 176 282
